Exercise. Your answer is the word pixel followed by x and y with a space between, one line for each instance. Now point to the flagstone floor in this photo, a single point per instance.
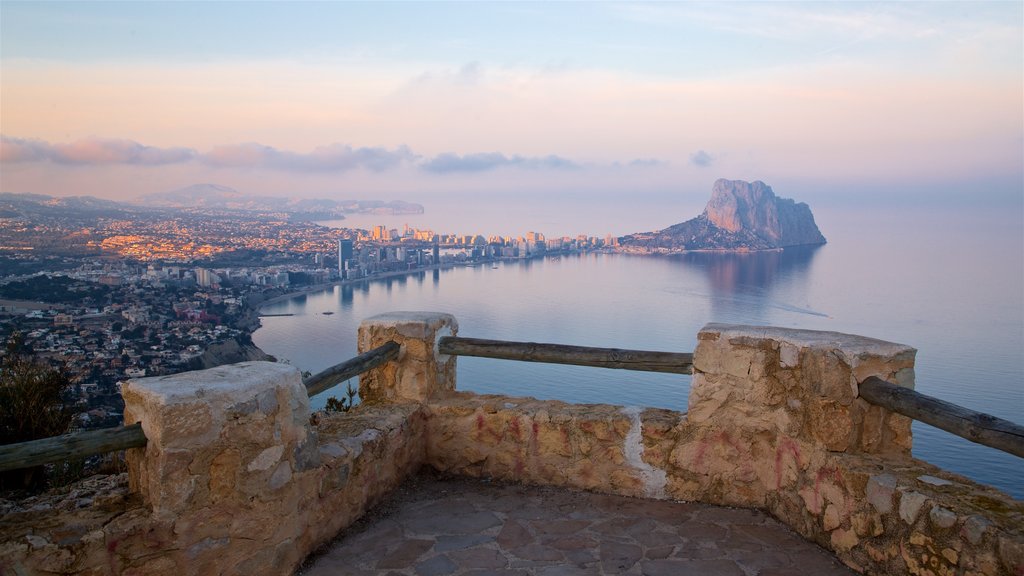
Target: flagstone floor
pixel 436 527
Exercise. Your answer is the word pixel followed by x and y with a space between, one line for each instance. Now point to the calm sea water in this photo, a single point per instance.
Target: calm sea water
pixel 949 285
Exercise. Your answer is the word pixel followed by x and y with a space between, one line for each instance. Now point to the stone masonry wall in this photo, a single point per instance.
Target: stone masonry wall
pixel 235 479
pixel 774 422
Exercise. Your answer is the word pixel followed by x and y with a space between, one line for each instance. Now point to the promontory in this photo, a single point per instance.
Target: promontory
pixel 740 216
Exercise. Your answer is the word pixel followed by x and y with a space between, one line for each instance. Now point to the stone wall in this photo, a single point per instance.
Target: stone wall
pixel 235 479
pixel 774 422
pixel 238 479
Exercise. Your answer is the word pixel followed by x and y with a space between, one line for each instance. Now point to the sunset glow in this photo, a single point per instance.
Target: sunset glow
pixel 406 100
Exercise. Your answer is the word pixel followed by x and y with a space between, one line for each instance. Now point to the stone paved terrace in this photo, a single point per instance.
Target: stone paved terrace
pixel 435 527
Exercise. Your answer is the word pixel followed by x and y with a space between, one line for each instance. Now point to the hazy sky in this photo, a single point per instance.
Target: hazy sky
pixel 396 100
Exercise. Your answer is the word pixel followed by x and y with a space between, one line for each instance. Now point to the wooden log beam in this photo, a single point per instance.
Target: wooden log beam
pixel 70 446
pixel 642 360
pixel 975 426
pixel 338 373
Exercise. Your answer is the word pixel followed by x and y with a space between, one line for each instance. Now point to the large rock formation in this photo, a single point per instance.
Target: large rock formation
pixel 740 216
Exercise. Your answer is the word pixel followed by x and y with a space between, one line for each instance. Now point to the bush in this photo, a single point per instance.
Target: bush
pixel 343 405
pixel 31 407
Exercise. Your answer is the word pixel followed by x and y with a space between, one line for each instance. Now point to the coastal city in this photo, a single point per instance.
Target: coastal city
pixel 128 295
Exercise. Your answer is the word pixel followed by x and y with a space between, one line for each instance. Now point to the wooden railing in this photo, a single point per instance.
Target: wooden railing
pixel 338 373
pixel 70 446
pixel 641 360
pixel 87 443
pixel 977 427
pixel 974 426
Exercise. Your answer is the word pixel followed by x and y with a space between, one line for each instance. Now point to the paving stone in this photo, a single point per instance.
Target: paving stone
pixel 674 567
pixel 464 527
pixel 513 535
pixel 616 556
pixel 701 531
pixel 460 542
pixel 571 542
pixel 563 570
pixel 655 539
pixel 479 558
pixel 735 540
pixel 659 553
pixel 698 551
pixel 616 526
pixel 559 526
pixel 468 523
pixel 581 557
pixel 729 516
pixel 537 552
pixel 762 560
pixel 405 554
pixel 437 566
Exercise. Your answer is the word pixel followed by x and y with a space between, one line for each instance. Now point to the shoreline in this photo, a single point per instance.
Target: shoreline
pixel 329 285
pixel 625 252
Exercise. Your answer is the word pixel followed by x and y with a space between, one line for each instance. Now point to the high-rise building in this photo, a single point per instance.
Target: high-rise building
pixel 344 255
pixel 206 278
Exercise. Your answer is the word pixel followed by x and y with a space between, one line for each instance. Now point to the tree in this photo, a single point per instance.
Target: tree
pixel 31 407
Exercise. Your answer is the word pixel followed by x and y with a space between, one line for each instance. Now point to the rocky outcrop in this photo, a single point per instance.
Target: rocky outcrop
pixel 228 352
pixel 739 216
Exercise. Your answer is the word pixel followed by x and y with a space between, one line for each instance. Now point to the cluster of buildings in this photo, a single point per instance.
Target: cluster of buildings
pixel 150 296
pixel 139 328
pixel 381 250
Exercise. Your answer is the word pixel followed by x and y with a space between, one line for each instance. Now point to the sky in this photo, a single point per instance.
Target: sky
pixel 494 101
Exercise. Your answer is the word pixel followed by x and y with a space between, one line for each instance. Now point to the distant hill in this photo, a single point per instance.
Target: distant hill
pixel 35 205
pixel 214 196
pixel 739 216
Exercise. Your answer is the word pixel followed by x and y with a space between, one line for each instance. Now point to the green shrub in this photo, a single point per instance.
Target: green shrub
pixel 342 405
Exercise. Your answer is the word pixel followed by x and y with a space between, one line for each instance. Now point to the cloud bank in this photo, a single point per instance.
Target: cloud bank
pixel 91 152
pixel 449 162
pixel 332 158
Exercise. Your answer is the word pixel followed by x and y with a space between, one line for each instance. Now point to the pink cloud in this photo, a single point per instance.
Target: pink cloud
pixel 91 152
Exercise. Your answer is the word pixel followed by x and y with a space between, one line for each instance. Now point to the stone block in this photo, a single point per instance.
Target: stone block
pixel 420 369
pixel 910 505
pixel 213 433
pixel 941 517
pixel 812 381
pixel 880 491
pixel 975 527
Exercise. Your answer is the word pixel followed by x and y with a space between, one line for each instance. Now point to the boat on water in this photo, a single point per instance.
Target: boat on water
pixel 327 313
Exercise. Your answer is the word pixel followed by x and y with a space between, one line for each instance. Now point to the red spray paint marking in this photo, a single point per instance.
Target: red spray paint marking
pixel 720 438
pixel 786 445
pixel 513 428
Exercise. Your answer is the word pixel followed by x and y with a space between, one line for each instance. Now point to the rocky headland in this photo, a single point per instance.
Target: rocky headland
pixel 740 216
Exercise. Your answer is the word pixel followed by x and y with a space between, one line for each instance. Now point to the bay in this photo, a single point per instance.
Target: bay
pixel 949 284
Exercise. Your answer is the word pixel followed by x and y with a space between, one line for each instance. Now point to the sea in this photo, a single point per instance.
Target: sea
pixel 947 282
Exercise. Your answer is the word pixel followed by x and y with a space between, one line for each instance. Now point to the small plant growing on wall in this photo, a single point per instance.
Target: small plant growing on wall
pixel 344 404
